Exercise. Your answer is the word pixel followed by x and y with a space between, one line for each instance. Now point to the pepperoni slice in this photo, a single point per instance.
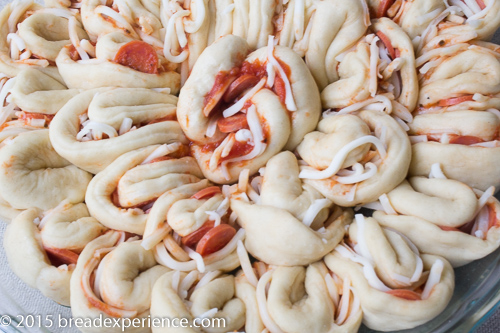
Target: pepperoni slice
pixel 222 82
pixel 61 256
pixel 383 7
pixel 233 123
pixel 387 43
pixel 206 193
pixel 455 100
pixel 481 4
pixel 138 55
pixel 193 238
pixel 465 140
pixel 445 228
pixel 238 86
pixel 215 239
pixel 73 53
pixel 405 294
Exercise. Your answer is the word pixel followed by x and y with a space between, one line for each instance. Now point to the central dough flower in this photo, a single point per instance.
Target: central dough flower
pixel 241 110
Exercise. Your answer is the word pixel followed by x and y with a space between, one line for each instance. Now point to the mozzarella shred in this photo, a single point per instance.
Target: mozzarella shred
pixel 483 12
pixel 343 309
pixel 359 175
pixel 483 199
pixel 368 269
pixel 18 8
pixel 117 17
pixel 186 284
pixel 161 151
pixel 236 107
pixel 200 263
pixel 195 25
pixel 289 100
pixel 246 266
pixel 433 279
pixel 217 154
pixel 388 208
pixel 262 303
pixel 73 36
pixel 437 172
pixel 371 104
pixel 481 223
pixel 314 209
pixel 207 277
pixel 125 126
pixel 175 31
pixel 427 34
pixel 255 128
pixel 95 130
pixel 332 290
pixel 339 158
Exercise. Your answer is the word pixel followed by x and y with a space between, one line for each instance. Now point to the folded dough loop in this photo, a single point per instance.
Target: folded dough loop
pixel 189 229
pixel 121 196
pixel 97 126
pixel 194 297
pixel 289 210
pixel 117 60
pixel 459 23
pixel 189 29
pixel 291 299
pixel 42 247
pixel 232 134
pixel 462 244
pixel 459 77
pixel 371 174
pixel 135 18
pixel 124 274
pixel 36 92
pixel 40 182
pixel 320 31
pixel 379 69
pixel 29 102
pixel 42 32
pixel 444 202
pixel 300 299
pixel 464 143
pixel 398 287
pixel 413 16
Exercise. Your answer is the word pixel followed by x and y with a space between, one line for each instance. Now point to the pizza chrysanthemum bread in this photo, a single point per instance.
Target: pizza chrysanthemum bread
pixel 246 172
pixel 43 247
pixel 114 278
